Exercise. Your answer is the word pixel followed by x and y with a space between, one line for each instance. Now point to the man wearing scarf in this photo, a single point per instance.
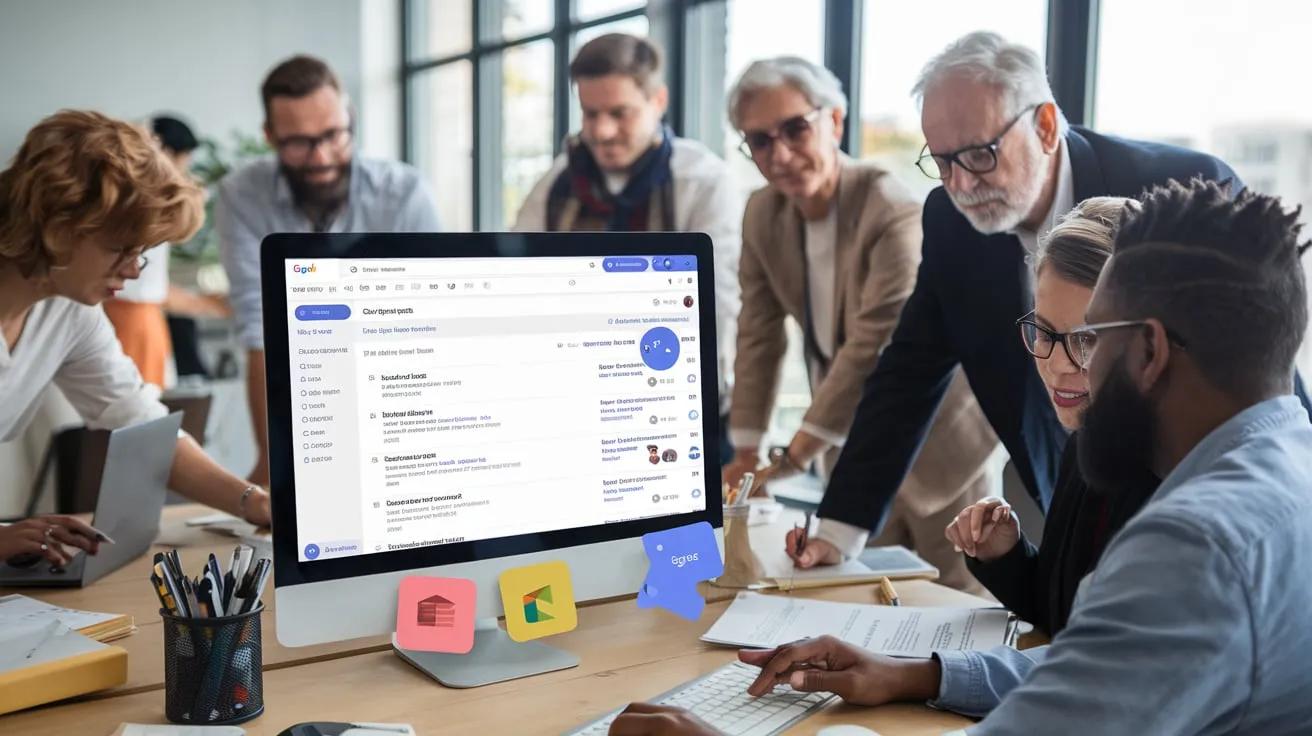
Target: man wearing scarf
pixel 626 171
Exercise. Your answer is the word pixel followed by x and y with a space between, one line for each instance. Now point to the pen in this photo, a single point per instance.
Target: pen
pixel 258 589
pixel 46 634
pixel 746 490
pixel 889 593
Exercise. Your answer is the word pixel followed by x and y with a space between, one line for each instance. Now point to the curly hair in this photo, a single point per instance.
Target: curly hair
pixel 80 175
pixel 1224 272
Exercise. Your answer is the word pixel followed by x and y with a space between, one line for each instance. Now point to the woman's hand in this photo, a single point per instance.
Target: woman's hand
pixel 46 536
pixel 985 530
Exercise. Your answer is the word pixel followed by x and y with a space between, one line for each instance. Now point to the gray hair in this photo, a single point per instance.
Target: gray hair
pixel 988 58
pixel 819 85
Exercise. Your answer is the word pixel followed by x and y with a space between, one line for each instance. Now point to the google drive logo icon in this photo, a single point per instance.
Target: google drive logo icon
pixel 538 601
pixel 533 612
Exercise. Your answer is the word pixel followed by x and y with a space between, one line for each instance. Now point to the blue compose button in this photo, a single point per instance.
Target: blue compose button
pixel 320 312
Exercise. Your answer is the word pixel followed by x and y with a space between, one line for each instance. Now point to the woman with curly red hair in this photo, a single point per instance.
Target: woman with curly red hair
pixel 82 203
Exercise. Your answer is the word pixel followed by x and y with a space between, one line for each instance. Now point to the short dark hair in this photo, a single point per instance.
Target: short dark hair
pixel 297 77
pixel 1222 272
pixel 173 134
pixel 619 53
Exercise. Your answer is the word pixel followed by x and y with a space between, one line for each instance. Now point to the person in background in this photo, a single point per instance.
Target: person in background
pixel 1039 584
pixel 835 244
pixel 1010 166
pixel 1190 623
pixel 138 311
pixel 625 171
pixel 83 200
pixel 314 183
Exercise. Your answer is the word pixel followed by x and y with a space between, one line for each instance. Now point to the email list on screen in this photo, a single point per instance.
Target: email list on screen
pixel 452 400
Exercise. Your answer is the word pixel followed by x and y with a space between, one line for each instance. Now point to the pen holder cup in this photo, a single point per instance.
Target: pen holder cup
pixel 213 668
pixel 742 567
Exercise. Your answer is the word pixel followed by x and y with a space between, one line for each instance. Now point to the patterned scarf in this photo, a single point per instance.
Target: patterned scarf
pixel 580 199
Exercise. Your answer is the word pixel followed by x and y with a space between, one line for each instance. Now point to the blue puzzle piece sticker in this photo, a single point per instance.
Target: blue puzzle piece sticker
pixel 678 560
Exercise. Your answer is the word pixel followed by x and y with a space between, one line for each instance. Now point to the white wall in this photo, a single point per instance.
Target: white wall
pixel 204 60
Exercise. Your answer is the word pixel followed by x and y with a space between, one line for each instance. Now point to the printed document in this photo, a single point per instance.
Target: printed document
pixel 765 621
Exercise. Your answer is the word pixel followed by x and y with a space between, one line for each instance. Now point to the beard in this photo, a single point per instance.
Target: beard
pixel 324 197
pixel 1005 210
pixel 1117 431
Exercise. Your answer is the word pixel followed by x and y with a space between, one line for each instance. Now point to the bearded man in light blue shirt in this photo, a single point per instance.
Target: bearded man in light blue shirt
pixel 1195 620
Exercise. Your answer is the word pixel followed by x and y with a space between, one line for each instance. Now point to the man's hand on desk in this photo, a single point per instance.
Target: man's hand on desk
pixel 824 664
pixel 827 664
pixel 648 719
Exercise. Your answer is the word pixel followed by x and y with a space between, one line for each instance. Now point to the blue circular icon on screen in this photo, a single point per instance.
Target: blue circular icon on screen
pixel 660 348
pixel 694 452
pixel 696 493
pixel 311 551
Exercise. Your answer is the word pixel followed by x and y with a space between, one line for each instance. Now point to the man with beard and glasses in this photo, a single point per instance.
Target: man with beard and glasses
pixel 314 183
pixel 1010 167
pixel 1194 621
pixel 626 171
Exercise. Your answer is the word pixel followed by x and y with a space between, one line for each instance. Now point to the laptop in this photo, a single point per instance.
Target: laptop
pixel 133 485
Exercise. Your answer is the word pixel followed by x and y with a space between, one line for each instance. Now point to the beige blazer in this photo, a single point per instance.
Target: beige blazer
pixel 877 255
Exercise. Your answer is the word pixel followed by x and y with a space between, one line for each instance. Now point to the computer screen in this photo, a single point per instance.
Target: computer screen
pixel 460 405
pixel 457 399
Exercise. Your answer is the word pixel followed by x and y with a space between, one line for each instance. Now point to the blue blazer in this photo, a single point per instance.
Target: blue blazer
pixel 970 290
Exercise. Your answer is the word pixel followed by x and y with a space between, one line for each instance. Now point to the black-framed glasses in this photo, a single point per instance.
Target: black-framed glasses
pixel 793 132
pixel 1084 339
pixel 300 147
pixel 1040 340
pixel 975 159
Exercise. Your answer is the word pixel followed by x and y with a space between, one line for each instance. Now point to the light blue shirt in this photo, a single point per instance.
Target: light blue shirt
pixel 1198 619
pixel 256 201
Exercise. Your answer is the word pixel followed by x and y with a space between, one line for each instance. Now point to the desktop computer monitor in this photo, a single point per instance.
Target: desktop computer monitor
pixel 458 405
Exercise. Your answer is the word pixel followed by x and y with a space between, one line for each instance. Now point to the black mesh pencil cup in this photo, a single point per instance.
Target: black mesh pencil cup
pixel 213 669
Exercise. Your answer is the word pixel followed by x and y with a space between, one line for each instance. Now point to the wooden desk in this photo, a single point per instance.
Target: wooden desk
pixel 626 654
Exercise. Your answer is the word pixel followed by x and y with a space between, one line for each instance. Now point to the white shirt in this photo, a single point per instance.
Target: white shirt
pixel 849 539
pixel 706 200
pixel 74 347
pixel 152 286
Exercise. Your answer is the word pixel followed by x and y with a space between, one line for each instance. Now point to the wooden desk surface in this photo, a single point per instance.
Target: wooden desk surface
pixel 626 654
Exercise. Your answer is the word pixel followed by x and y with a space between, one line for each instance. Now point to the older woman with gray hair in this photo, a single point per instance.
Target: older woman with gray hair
pixel 835 244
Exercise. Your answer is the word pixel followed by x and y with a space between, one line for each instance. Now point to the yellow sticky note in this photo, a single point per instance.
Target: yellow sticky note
pixel 539 601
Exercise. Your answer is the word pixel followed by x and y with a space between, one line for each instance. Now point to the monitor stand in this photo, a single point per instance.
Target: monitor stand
pixel 495 658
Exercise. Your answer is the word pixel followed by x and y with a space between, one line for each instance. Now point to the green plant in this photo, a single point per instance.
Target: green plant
pixel 211 162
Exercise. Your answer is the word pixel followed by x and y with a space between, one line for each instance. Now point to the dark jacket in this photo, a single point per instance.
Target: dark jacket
pixel 970 289
pixel 1039 584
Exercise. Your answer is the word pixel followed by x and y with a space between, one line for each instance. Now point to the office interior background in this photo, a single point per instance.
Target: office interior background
pixel 475 93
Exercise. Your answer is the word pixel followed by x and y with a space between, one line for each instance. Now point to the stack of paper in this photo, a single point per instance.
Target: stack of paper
pixel 767 621
pixel 19 610
pixel 894 562
pixel 45 661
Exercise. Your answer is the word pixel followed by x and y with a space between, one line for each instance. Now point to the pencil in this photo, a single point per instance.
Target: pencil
pixel 889 593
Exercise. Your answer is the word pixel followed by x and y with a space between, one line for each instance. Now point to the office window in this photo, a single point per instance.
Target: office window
pixel 1241 104
pixel 586 10
pixel 898 39
pixel 442 99
pixel 519 18
pixel 527 143
pixel 439 28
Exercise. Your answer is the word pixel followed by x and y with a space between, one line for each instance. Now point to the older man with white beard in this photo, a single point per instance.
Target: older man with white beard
pixel 1010 166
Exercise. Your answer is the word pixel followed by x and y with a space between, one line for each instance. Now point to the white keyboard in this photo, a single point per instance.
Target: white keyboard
pixel 721 700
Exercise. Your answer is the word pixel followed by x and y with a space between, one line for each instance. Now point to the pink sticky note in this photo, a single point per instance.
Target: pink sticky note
pixel 436 615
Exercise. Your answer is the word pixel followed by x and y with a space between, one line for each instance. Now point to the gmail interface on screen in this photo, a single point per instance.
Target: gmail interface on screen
pixel 447 400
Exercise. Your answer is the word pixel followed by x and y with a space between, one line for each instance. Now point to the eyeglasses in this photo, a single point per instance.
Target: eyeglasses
pixel 793 132
pixel 1085 339
pixel 301 147
pixel 975 159
pixel 1040 341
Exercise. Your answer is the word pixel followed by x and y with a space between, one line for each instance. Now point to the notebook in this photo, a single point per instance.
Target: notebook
pixel 46 661
pixel 20 610
pixel 894 562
